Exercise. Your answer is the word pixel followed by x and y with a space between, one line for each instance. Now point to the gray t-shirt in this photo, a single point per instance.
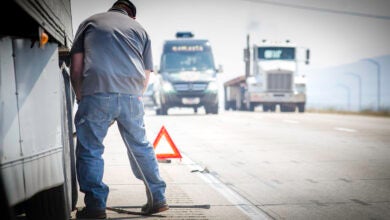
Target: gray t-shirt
pixel 116 50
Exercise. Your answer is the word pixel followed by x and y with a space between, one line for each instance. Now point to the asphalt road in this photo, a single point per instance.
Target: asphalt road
pixel 291 165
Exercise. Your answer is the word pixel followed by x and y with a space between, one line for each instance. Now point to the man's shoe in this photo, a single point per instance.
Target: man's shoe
pixel 85 213
pixel 158 207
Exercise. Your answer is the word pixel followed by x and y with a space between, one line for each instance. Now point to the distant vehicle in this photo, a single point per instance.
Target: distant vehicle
pixel 36 122
pixel 271 79
pixel 187 75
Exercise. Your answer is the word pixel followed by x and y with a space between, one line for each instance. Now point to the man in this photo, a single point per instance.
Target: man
pixel 111 60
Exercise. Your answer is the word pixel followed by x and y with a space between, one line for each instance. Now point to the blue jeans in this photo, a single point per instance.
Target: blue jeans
pixel 94 115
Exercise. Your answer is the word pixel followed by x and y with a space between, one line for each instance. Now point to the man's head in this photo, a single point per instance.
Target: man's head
pixel 127 6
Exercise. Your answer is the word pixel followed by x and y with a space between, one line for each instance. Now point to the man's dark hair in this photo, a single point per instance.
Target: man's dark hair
pixel 126 5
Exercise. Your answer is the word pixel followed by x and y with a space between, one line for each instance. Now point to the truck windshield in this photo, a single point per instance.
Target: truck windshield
pixel 187 61
pixel 276 53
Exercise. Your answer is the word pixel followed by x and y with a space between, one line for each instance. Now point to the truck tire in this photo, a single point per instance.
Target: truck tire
pixel 292 107
pixel 226 107
pixel 69 141
pixel 234 107
pixel 287 107
pixel 301 107
pixel 211 109
pixel 251 106
pixel 282 108
pixel 49 204
pixel 230 105
pixel 7 211
pixel 164 109
pixel 70 144
pixel 241 106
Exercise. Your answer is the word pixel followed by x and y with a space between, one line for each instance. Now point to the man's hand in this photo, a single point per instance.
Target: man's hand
pixel 146 82
pixel 76 73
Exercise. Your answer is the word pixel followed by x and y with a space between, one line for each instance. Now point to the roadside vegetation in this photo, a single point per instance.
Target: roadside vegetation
pixel 382 113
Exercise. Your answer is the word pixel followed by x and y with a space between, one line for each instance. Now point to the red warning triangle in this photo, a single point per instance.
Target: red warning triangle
pixel 165 142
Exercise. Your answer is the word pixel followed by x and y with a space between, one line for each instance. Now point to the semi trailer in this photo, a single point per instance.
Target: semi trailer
pixel 37 163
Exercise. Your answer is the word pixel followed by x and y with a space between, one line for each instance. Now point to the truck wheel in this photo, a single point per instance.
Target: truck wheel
pixel 164 109
pixel 252 107
pixel 49 204
pixel 233 106
pixel 227 106
pixel 266 108
pixel 287 108
pixel 211 109
pixel 272 108
pixel 301 107
pixel 292 107
pixel 7 211
pixel 215 110
pixel 283 108
pixel 69 141
pixel 195 110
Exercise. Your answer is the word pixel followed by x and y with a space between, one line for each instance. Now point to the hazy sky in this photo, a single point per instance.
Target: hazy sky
pixel 336 31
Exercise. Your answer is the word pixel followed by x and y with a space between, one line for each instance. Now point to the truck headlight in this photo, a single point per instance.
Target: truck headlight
pixel 167 87
pixel 300 88
pixel 213 86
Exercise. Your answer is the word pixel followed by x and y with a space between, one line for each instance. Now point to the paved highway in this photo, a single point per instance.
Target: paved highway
pixel 275 165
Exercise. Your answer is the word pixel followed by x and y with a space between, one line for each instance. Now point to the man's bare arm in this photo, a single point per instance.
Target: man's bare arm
pixel 76 73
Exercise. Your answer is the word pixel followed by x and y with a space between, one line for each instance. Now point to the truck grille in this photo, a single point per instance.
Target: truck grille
pixel 279 82
pixel 184 87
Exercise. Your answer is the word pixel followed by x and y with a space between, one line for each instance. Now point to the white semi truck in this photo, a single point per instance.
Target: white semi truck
pixel 37 163
pixel 271 78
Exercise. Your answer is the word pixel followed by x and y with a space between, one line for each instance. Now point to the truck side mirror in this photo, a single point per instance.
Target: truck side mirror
pixel 307 56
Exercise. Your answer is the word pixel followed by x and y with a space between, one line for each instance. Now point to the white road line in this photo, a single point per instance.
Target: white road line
pixel 346 129
pixel 291 121
pixel 236 199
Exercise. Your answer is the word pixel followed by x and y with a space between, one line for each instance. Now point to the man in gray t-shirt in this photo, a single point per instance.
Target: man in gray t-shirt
pixel 111 60
pixel 117 51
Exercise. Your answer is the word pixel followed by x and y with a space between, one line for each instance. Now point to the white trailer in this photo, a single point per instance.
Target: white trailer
pixel 36 122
